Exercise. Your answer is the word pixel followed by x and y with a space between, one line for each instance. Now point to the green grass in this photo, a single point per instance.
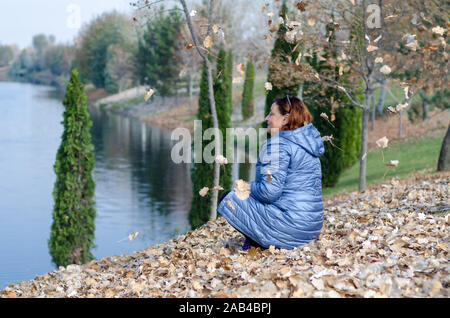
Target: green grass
pixel 414 155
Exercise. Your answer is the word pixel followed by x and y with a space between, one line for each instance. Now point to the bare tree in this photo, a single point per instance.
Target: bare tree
pixel 202 49
pixel 366 47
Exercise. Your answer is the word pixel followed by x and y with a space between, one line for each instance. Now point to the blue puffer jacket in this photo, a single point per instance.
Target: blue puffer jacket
pixel 288 211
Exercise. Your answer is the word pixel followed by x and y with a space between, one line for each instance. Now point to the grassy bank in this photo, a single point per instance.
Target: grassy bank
pixel 415 155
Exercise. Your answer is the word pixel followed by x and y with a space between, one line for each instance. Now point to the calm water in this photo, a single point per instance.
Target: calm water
pixel 138 187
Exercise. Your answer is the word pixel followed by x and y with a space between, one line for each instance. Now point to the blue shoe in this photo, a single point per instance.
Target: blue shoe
pixel 246 245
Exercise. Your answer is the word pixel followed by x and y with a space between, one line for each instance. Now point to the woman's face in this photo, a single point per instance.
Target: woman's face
pixel 275 120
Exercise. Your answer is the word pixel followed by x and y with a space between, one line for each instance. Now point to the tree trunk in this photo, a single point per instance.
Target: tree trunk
pixel 380 104
pixel 424 110
pixel 444 156
pixel 217 142
pixel 190 92
pixel 400 115
pixel 364 139
pixel 372 104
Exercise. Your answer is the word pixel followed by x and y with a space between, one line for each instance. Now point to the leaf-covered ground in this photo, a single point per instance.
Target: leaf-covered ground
pixel 389 241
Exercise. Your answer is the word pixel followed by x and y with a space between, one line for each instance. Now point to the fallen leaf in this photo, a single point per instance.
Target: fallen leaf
pixel 302 6
pixel 438 30
pixel 231 205
pixel 268 86
pixel 371 48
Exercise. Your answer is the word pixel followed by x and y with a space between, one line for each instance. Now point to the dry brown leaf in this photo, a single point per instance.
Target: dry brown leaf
pixel 208 42
pixel 302 6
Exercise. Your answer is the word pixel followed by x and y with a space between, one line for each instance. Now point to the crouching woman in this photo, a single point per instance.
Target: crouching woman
pixel 285 207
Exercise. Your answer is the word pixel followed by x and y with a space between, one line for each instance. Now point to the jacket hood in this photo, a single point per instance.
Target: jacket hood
pixel 307 137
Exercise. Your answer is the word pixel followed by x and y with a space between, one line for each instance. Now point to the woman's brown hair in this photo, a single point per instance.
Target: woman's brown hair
pixel 299 115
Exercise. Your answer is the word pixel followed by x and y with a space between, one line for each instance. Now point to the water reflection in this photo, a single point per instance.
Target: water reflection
pixel 139 180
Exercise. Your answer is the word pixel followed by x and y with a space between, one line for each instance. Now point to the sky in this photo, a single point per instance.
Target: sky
pixel 21 19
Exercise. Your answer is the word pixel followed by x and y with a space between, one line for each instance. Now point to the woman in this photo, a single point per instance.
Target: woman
pixel 285 206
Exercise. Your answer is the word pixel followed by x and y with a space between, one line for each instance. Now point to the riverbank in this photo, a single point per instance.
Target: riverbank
pixel 390 240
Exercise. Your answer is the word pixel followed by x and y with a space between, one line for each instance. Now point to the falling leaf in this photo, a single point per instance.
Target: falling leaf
pixel 221 160
pixel 264 7
pixel 216 28
pixel 269 176
pixel 382 142
pixel 189 46
pixel 149 94
pixel 242 189
pixel 268 38
pixel 392 163
pixel 392 109
pixel 241 68
pixel 311 22
pixel 208 41
pixel 438 30
pixel 302 6
pixel 203 191
pixel 133 236
pixel 385 69
pixel 280 20
pixel 364 156
pixel 270 14
pixel 379 60
pixel 323 115
pixel 268 86
pixel 193 13
pixel 400 107
pixel 217 188
pixel 412 45
pixel 230 204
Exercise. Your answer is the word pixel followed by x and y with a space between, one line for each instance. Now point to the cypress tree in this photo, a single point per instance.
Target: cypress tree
pixel 202 173
pixel 247 94
pixel 72 231
pixel 229 77
pixel 281 62
pixel 343 115
pixel 156 60
pixel 222 99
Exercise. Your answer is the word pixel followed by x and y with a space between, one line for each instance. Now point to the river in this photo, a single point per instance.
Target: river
pixel 138 187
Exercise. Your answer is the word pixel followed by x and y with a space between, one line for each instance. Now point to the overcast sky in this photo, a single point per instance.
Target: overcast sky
pixel 21 19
